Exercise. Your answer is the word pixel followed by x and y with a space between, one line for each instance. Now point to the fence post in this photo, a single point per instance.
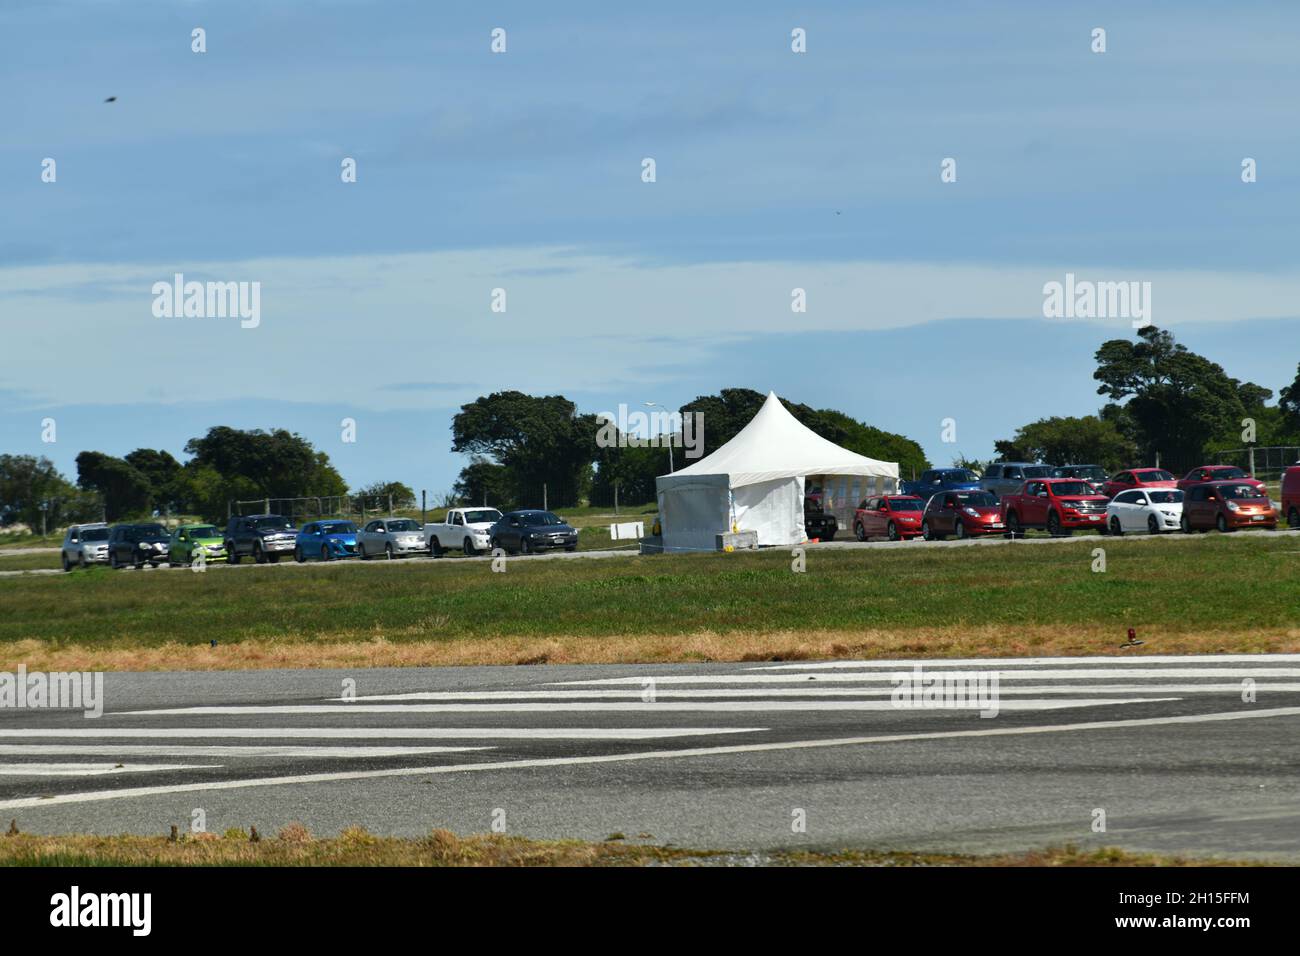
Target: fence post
pixel 544 506
pixel 1251 452
pixel 615 499
pixel 390 506
pixel 423 519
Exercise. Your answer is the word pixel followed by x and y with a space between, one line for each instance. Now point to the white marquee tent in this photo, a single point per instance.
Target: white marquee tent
pixel 755 482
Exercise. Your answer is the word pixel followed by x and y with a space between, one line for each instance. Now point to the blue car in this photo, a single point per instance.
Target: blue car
pixel 941 479
pixel 326 541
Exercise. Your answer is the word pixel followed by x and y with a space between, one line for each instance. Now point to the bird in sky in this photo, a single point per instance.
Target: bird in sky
pixel 111 99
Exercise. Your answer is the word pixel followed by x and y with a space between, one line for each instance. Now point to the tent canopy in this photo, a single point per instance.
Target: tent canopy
pixel 776 445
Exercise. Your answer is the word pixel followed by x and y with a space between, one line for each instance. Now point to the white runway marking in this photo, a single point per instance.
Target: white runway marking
pixel 90 769
pixel 382 733
pixel 985 662
pixel 131 792
pixel 1073 673
pixel 577 706
pixel 176 750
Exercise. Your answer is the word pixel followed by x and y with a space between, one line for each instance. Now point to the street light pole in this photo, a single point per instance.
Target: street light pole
pixel 670 438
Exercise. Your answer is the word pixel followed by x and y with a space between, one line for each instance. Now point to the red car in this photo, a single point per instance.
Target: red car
pixel 1060 505
pixel 896 517
pixel 1227 505
pixel 1199 476
pixel 962 513
pixel 1139 478
pixel 1291 496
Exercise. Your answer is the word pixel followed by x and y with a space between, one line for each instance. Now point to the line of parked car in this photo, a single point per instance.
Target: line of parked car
pixel 1012 497
pixel 265 539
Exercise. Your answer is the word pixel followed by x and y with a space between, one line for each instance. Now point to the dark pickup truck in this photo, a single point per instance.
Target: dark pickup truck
pixel 817 523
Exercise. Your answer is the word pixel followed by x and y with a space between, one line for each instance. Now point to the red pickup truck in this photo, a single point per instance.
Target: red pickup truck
pixel 1060 505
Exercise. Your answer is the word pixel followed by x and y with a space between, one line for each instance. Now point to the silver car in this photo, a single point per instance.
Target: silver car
pixel 85 544
pixel 1006 477
pixel 390 538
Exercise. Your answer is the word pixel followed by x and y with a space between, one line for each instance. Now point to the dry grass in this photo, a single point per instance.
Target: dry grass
pixel 931 642
pixel 295 846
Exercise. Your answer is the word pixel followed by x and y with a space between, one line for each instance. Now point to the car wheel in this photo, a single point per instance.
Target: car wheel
pixel 1116 528
pixel 524 546
pixel 926 533
pixel 892 531
pixel 259 556
pixel 1054 526
pixel 67 565
pixel 1293 519
pixel 468 548
pixel 81 561
pixel 298 555
pixel 232 556
pixel 1013 525
pixel 325 553
pixel 112 560
pixel 1185 525
pixel 570 547
pixel 1222 524
pixel 435 548
pixel 960 530
pixel 829 536
pixel 388 552
pixel 1153 526
pixel 858 532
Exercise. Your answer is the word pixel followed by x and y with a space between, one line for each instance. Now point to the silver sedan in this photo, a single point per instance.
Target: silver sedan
pixel 390 538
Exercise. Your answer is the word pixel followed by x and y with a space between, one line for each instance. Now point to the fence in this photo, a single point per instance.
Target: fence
pixel 1266 463
pixel 297 510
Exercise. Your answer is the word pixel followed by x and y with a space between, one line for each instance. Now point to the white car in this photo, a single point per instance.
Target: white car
pixel 1154 510
pixel 85 544
pixel 469 529
pixel 391 538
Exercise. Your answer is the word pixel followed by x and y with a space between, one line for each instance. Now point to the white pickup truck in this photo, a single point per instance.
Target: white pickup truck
pixel 466 529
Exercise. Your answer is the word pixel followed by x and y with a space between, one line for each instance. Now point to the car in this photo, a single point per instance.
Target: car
pixel 190 539
pixel 1154 510
pixel 135 545
pixel 1208 473
pixel 1291 496
pixel 1006 477
pixel 326 540
pixel 264 538
pixel 1138 478
pixel 964 514
pixel 1094 475
pixel 896 517
pixel 817 523
pixel 532 530
pixel 84 545
pixel 1227 505
pixel 935 480
pixel 1060 505
pixel 390 538
pixel 469 529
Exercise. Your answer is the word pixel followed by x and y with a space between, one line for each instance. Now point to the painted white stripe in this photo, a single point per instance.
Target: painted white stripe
pixel 809 692
pixel 1106 660
pixel 380 733
pixel 724 706
pixel 1073 673
pixel 91 769
pixel 131 792
pixel 178 750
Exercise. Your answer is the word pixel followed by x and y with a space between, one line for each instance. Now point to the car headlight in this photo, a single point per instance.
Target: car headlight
pixel 1232 506
pixel 972 512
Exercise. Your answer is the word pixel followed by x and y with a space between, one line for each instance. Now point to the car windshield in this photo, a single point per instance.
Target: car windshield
pixel 956 476
pixel 1241 491
pixel 1226 474
pixel 540 518
pixel 1158 474
pixel 204 531
pixel 1086 472
pixel 906 504
pixel 1067 488
pixel 403 524
pixel 95 534
pixel 338 527
pixel 271 522
pixel 153 531
pixel 487 515
pixel 1162 497
pixel 976 499
pixel 1037 471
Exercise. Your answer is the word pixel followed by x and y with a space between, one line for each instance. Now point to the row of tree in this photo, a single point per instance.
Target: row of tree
pixel 1165 401
pixel 520 444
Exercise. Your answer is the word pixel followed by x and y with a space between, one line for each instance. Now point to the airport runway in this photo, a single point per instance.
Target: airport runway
pixel 737 756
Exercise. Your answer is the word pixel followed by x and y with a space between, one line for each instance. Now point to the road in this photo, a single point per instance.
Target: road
pixel 710 756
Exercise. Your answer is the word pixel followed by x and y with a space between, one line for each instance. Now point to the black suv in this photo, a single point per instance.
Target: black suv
pixel 263 537
pixel 135 545
pixel 818 523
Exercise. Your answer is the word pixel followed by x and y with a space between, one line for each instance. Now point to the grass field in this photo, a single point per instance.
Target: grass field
pixel 295 846
pixel 1209 593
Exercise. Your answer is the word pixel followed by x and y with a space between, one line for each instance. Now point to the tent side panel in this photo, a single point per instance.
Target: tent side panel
pixel 772 508
pixel 693 510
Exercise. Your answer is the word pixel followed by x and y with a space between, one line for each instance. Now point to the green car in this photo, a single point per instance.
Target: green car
pixel 189 538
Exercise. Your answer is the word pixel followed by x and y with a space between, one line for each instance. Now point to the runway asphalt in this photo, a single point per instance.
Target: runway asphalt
pixel 736 756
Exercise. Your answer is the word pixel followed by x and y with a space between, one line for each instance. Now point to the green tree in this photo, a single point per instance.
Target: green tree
pixel 1061 440
pixel 403 496
pixel 161 470
pixel 124 489
pixel 484 482
pixel 32 489
pixel 274 464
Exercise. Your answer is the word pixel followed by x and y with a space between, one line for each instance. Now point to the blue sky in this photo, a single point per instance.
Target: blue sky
pixel 522 170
